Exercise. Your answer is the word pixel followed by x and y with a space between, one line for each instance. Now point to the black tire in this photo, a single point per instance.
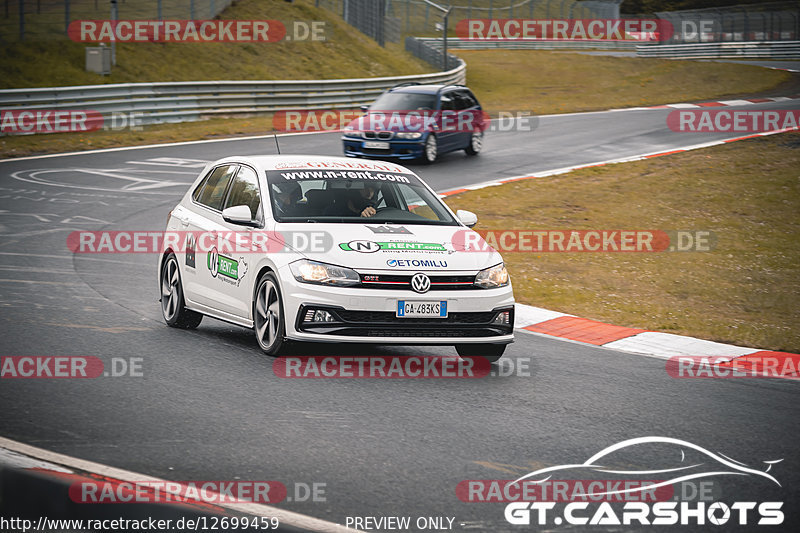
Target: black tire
pixel 490 352
pixel 173 306
pixel 268 320
pixel 430 152
pixel 475 143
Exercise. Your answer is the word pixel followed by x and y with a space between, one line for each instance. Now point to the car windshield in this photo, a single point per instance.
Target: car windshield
pixel 403 101
pixel 353 196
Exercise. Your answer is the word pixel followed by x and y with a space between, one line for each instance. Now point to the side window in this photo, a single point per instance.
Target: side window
pixel 213 193
pixel 199 190
pixel 466 99
pixel 461 103
pixel 447 102
pixel 245 191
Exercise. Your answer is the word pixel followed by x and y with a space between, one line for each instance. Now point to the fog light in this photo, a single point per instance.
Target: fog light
pixel 503 318
pixel 317 315
pixel 323 316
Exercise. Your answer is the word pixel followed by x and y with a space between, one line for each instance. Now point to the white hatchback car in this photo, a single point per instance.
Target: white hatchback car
pixel 328 249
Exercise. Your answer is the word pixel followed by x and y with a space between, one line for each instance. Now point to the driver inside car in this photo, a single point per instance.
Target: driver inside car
pixel 287 196
pixel 364 201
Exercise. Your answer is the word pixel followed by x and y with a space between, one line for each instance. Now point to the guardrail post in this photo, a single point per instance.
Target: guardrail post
pixel 21 20
pixel 113 41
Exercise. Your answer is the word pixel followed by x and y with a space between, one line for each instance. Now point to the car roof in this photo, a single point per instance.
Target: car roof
pixel 315 162
pixel 423 89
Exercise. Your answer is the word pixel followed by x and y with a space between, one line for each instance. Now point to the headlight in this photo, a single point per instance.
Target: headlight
pixel 306 271
pixel 350 131
pixel 408 134
pixel 492 277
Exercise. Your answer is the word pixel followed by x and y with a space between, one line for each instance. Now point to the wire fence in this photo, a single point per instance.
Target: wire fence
pixel 416 17
pixel 39 20
pixel 772 21
pixel 769 21
pixel 391 20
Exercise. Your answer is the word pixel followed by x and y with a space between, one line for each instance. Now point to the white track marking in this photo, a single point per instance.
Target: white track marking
pixel 286 517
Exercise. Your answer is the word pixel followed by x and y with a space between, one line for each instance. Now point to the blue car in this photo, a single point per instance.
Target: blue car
pixel 413 121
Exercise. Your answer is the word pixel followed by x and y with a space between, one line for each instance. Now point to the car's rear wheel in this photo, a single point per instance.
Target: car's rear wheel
pixel 475 143
pixel 268 320
pixel 173 306
pixel 490 352
pixel 431 151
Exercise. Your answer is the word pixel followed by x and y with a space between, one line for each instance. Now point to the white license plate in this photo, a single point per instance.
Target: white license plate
pixel 421 309
pixel 376 145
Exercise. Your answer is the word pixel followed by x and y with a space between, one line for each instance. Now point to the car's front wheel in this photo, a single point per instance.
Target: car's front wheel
pixel 173 307
pixel 475 143
pixel 268 320
pixel 431 151
pixel 490 352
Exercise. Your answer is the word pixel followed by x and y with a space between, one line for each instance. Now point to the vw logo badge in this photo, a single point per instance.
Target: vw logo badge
pixel 420 282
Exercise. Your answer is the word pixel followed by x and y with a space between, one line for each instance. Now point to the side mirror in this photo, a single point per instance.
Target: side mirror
pixel 239 214
pixel 468 218
pixel 364 108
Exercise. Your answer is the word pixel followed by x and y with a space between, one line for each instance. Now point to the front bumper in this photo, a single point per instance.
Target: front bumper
pixel 405 149
pixel 368 315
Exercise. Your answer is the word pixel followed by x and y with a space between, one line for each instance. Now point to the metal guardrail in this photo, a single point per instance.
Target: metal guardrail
pixel 741 50
pixel 188 101
pixel 530 44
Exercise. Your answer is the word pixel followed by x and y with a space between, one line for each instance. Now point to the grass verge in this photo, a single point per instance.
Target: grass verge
pixel 558 82
pixel 346 53
pixel 743 292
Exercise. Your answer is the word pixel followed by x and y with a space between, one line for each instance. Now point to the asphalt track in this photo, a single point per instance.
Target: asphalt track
pixel 209 407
